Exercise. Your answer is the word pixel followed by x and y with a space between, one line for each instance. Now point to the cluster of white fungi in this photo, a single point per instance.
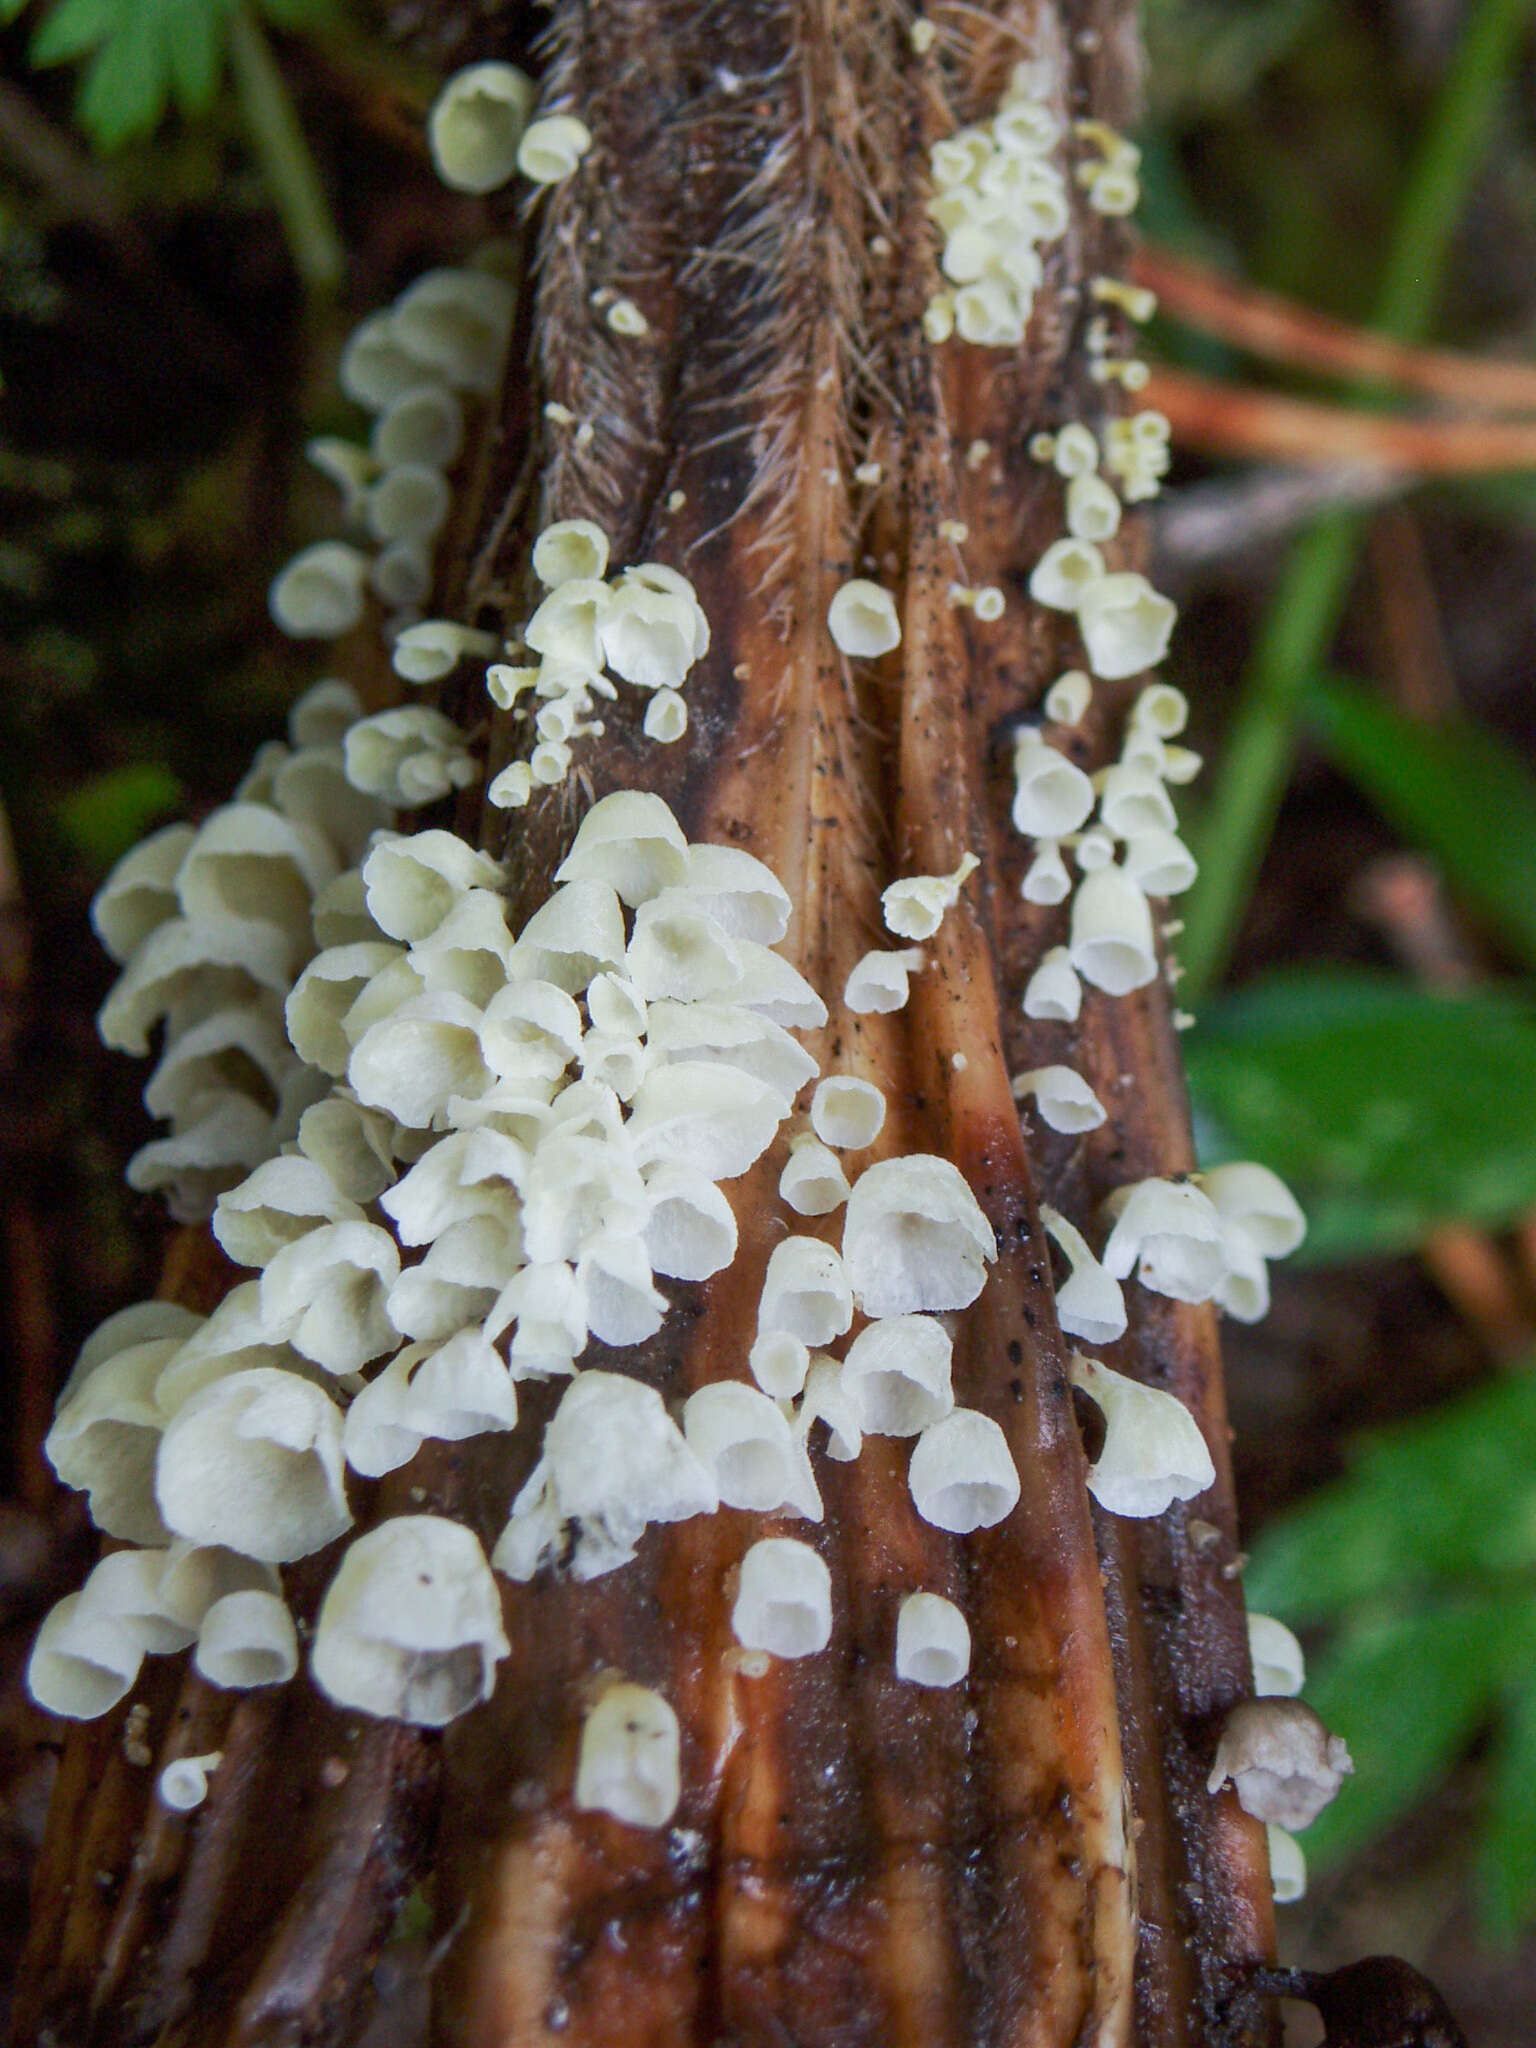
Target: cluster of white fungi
pixel 452 1153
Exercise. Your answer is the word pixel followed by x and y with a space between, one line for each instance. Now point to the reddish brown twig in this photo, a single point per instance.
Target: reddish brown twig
pixel 1282 331
pixel 1223 419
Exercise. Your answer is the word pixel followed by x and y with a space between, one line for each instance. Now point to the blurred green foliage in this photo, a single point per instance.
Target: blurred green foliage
pixel 142 57
pixel 1422 1561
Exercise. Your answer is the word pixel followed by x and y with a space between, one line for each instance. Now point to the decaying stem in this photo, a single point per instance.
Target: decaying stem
pixel 1028 1861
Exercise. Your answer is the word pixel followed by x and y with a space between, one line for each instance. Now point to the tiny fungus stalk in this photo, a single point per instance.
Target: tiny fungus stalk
pixel 1304 611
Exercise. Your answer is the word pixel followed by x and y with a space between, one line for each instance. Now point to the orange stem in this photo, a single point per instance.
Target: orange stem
pixel 1281 331
pixel 1228 420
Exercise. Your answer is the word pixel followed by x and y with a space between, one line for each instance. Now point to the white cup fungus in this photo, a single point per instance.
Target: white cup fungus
pixel 628 1763
pixel 933 1641
pixel 784 1599
pixel 962 1473
pixel 410 1627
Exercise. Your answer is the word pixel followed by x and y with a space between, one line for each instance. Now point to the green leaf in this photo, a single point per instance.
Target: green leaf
pixel 73 29
pixel 1406 1693
pixel 125 91
pixel 1387 1110
pixel 194 37
pixel 1452 788
pixel 1507 1858
pixel 298 14
pixel 113 811
pixel 1446 1497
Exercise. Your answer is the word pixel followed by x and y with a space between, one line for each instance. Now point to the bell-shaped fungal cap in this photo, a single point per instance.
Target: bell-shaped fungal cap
pixel 321 715
pixel 141 1324
pixel 232 1339
pixel 376 365
pixel 407 505
pixel 183 1784
pixel 411 755
pixel 127 1585
pixel 433 648
pixel 914 907
pixel 530 1029
pixel 880 981
pixel 459 322
pixel 1089 1304
pixel 450 1391
pixel 780 1362
pixel 569 551
pixel 1279 1668
pixel 813 1182
pixel 649 636
pixel 827 1400
pixel 628 1762
pixel 631 842
pixel 729 1035
pixel 1069 697
pixel 476 124
pixel 691 1232
pixel 862 619
pixel 623 1304
pixel 715 1119
pixel 193 1576
pixel 1153 1454
pixel 414 881
pixel 846 1112
pixel 679 952
pixel 1170 1232
pixel 1283 1763
pixel 414 1060
pixel 1064 572
pixel 1051 795
pixel 253 1462
pixel 933 1641
pixel 324 1294
pixel 83 1662
pixel 140 892
pixel 1046 880
pixel 743 896
pixel 896 1373
pixel 410 1628
pixel 576 934
pixel 401 576
pixel 1093 510
pixel 805 1291
pixel 1125 624
pixel 425 425
pixel 614 1461
pixel 552 147
pixel 776 990
pixel 458 1282
pixel 914 1237
pixel 105 1437
pixel 227 1135
pixel 1257 1202
pixel 246 1640
pixel 1160 864
pixel 1063 1098
pixel 743 1441
pixel 783 1600
pixel 241 1050
pixel 183 972
pixel 470 953
pixel 962 1473
pixel 319 595
pixel 1133 802
pixel 283 1199
pixel 1111 942
pixel 1287 1866
pixel 1053 993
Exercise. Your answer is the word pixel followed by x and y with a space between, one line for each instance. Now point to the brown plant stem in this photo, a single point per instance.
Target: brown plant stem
pixel 1222 419
pixel 1299 337
pixel 855 1861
